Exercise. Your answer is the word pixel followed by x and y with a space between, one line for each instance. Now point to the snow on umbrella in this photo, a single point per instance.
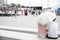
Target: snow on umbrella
pixel 46 17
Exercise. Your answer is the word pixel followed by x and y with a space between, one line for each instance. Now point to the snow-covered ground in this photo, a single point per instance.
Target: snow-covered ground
pixel 29 21
pixel 16 23
pixel 21 21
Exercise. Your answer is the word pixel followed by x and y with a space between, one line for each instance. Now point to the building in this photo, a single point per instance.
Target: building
pixel 1 3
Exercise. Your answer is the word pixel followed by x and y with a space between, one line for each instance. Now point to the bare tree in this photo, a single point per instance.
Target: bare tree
pixel 13 5
pixel 18 5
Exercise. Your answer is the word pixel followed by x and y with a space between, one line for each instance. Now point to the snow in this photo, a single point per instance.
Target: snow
pixel 29 21
pixel 19 21
pixel 2 12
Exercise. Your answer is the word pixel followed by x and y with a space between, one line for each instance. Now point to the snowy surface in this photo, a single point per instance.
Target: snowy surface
pixel 2 12
pixel 20 35
pixel 19 21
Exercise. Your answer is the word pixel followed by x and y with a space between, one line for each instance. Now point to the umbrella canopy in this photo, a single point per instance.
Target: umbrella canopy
pixel 46 17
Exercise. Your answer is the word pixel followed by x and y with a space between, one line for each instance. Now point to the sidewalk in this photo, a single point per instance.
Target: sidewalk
pixel 7 38
pixel 10 35
pixel 20 33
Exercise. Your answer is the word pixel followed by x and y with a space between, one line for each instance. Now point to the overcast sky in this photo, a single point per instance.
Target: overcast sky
pixel 26 2
pixel 43 3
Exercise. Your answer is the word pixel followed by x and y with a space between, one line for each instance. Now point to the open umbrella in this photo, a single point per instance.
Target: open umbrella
pixel 46 17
